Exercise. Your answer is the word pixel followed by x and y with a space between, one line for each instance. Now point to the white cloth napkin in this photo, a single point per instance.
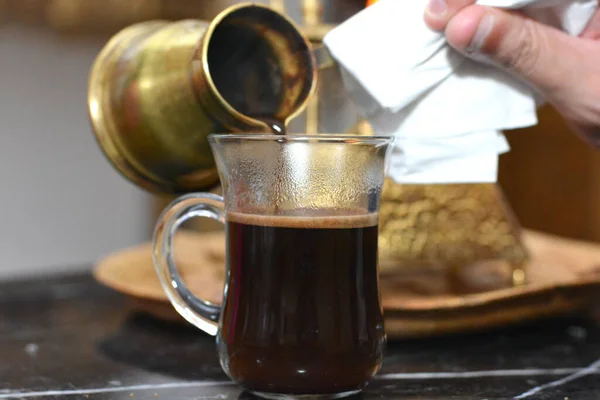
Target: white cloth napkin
pixel 446 111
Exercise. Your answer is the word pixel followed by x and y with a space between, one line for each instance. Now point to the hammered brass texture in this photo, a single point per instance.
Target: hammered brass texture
pixel 446 228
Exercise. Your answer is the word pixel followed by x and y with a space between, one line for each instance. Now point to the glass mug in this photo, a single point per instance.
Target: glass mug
pixel 301 314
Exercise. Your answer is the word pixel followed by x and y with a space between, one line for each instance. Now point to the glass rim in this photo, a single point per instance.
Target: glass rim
pixel 300 137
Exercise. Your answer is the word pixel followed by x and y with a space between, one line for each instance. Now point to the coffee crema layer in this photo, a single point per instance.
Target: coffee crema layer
pixel 309 219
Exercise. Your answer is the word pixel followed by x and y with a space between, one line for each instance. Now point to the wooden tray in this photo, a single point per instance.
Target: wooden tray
pixel 563 278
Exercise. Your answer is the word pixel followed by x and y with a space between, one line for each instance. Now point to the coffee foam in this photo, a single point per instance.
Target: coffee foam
pixel 344 221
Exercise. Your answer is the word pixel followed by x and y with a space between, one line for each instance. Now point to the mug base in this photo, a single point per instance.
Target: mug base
pixel 282 396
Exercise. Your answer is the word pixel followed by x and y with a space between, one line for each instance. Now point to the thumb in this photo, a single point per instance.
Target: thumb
pixel 541 55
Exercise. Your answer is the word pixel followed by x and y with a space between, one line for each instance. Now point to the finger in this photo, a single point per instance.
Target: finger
pixel 439 12
pixel 543 56
pixel 592 29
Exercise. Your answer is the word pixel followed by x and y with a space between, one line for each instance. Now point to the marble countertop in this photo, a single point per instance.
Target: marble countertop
pixel 69 338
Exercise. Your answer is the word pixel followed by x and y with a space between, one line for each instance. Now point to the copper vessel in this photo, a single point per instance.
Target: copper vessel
pixel 158 88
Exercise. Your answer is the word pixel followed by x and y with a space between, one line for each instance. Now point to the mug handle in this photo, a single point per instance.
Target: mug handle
pixel 196 311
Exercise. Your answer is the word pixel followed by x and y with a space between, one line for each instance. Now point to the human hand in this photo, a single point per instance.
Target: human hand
pixel 564 69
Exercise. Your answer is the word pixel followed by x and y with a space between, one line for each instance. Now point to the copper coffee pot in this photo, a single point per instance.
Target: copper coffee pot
pixel 158 88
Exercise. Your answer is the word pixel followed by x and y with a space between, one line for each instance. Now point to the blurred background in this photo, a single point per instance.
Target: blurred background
pixel 62 206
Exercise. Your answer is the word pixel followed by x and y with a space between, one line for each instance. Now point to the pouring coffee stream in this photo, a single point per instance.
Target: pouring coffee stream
pixel 277 127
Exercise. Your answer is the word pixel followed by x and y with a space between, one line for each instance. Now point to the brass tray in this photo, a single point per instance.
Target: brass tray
pixel 563 278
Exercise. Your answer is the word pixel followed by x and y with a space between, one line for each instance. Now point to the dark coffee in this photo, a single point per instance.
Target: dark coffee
pixel 302 314
pixel 277 127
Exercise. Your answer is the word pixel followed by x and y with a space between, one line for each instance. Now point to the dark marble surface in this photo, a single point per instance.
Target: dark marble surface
pixel 69 338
